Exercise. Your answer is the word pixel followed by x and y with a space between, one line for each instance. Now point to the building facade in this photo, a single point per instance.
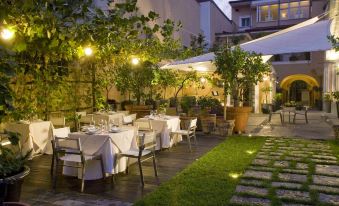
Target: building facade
pixel 299 77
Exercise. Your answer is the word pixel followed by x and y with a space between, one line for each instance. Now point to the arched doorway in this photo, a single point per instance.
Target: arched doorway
pixel 300 88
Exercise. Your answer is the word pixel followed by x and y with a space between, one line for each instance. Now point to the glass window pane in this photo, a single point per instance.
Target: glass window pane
pixel 274 12
pixel 294 4
pixel 304 12
pixel 304 3
pixel 284 14
pixel 294 14
pixel 264 13
pixel 284 6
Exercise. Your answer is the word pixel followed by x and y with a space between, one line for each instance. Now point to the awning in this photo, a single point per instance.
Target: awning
pixel 308 36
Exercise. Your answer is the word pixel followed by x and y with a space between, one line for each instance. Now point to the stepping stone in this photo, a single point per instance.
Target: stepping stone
pixel 298 155
pixel 281 164
pixel 276 153
pixel 325 180
pixel 265 150
pixel 239 200
pixel 296 171
pixel 293 158
pixel 268 157
pixel 252 182
pixel 251 190
pixel 318 146
pixel 332 170
pixel 261 162
pixel 321 161
pixel 287 185
pixel 268 144
pixel 326 189
pixel 258 174
pixel 293 195
pixel 325 157
pixel 329 199
pixel 270 169
pixel 286 148
pixel 305 151
pixel 301 166
pixel 293 204
pixel 290 177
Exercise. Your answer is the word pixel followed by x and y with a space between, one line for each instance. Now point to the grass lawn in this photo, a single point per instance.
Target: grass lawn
pixel 209 180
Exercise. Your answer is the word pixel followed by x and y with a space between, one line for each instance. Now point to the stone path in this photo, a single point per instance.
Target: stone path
pixel 290 172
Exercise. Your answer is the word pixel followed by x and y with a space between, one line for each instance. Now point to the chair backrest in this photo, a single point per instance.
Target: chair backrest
pixel 67 145
pixel 129 119
pixel 83 114
pixel 61 132
pixel 193 123
pixel 58 121
pixel 143 124
pixel 147 140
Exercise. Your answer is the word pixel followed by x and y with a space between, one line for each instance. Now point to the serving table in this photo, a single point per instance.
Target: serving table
pixel 35 136
pixel 163 126
pixel 109 145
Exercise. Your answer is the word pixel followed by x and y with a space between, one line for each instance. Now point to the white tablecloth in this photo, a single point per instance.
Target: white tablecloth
pixel 117 116
pixel 35 136
pixel 164 126
pixel 108 145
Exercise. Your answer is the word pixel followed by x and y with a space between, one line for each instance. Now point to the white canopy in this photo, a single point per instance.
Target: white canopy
pixel 308 36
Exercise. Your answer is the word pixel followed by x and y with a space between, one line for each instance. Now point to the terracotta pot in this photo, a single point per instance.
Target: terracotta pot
pixel 240 115
pixel 13 185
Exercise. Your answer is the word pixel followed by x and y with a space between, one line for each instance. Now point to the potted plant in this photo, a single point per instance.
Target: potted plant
pixel 13 170
pixel 239 70
pixel 336 98
pixel 327 102
pixel 277 99
pixel 265 105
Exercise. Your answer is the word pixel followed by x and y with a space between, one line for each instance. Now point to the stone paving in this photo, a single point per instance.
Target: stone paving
pixel 290 172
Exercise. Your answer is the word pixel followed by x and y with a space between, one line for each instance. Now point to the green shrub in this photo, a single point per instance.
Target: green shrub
pixel 187 102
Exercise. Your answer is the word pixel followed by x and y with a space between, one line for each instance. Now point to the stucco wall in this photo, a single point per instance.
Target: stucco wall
pixel 219 22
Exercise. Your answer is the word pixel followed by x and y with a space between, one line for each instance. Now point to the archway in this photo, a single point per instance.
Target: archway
pixel 300 88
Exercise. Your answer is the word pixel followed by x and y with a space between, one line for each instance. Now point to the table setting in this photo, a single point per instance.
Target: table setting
pixel 107 140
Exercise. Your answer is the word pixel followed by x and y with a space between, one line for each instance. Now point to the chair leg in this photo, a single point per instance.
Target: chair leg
pixel 83 177
pixel 55 167
pixel 155 165
pixel 141 174
pixel 195 140
pixel 52 164
pixel 281 119
pixel 294 117
pixel 189 143
pixel 270 117
pixel 127 165
pixel 306 118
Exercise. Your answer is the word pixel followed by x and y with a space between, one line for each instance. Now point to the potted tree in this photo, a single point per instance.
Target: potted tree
pixel 265 105
pixel 327 102
pixel 336 98
pixel 239 70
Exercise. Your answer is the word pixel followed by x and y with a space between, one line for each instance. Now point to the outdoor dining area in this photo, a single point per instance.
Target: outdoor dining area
pixel 106 144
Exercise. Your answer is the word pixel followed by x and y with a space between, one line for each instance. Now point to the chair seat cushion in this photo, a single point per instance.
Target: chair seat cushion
pixel 135 153
pixel 76 158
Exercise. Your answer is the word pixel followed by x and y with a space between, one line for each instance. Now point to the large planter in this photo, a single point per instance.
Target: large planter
pixel 327 106
pixel 240 115
pixel 208 123
pixel 337 104
pixel 10 187
pixel 225 127
pixel 265 108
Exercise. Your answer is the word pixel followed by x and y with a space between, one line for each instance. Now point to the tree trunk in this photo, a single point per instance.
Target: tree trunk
pixel 225 106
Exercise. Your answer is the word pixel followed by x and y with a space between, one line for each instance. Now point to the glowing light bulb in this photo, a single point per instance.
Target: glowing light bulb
pixel 7 34
pixel 250 152
pixel 88 51
pixel 135 61
pixel 234 175
pixel 203 80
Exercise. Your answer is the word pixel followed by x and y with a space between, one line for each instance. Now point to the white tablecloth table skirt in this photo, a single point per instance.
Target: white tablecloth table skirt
pixel 35 136
pixel 163 127
pixel 108 145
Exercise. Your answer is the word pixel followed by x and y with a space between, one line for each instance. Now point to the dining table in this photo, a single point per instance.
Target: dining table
pixel 163 125
pixel 35 136
pixel 108 145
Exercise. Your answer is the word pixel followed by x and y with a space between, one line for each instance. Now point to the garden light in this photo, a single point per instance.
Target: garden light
pixel 250 152
pixel 135 61
pixel 7 34
pixel 234 175
pixel 88 51
pixel 203 80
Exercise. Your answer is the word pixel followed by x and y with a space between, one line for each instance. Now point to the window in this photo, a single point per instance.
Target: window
pixel 268 13
pixel 292 57
pixel 294 10
pixel 245 21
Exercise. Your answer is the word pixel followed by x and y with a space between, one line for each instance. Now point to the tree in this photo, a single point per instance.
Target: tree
pixel 239 69
pixel 166 79
pixel 335 42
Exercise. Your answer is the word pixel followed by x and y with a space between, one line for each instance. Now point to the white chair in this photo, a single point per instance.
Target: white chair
pixel 60 133
pixel 145 125
pixel 69 150
pixel 146 151
pixel 189 132
pixel 129 120
pixel 85 118
pixel 302 112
